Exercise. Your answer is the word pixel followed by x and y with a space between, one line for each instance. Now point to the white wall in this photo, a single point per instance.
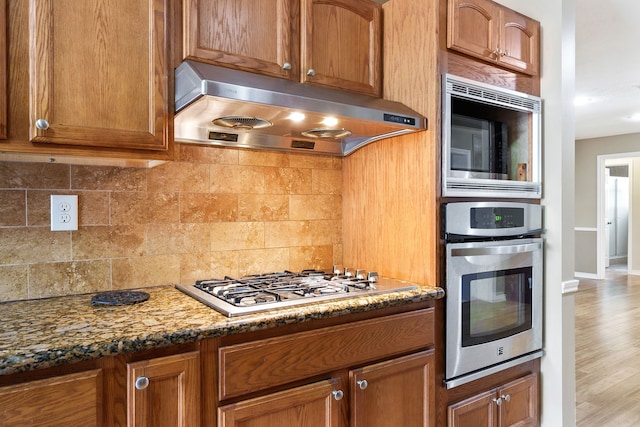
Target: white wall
pixel 557 18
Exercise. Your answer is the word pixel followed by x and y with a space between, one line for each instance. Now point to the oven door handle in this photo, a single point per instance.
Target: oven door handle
pixel 496 250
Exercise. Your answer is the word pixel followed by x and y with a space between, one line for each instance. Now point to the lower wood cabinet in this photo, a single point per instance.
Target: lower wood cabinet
pixel 164 391
pixel 65 400
pixel 513 404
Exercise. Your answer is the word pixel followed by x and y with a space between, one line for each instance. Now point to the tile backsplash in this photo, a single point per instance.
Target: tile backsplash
pixel 213 212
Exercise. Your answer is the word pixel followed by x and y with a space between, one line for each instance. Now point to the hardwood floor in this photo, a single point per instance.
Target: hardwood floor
pixel 608 351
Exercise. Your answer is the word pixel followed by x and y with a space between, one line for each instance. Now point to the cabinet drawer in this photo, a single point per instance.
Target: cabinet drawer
pixel 257 365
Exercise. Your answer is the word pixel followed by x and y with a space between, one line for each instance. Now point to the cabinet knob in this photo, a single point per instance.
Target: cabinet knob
pixel 142 383
pixel 362 384
pixel 506 398
pixel 311 72
pixel 42 124
pixel 338 394
pixel 497 401
pixel 286 66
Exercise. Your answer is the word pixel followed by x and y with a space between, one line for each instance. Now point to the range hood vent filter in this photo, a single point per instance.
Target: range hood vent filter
pixel 242 122
pixel 269 113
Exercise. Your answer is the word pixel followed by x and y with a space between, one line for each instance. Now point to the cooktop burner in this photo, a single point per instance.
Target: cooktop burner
pixel 262 292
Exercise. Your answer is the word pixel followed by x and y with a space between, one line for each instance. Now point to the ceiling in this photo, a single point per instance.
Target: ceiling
pixel 607 67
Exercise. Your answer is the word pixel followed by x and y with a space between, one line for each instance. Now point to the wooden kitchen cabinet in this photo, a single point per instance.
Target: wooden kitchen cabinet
pixel 65 400
pixel 99 77
pixel 513 404
pixel 397 392
pixel 164 391
pixel 333 43
pixel 494 33
pixel 3 69
pixel 312 405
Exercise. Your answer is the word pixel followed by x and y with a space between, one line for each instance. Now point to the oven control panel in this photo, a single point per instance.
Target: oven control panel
pixel 500 217
pixel 491 219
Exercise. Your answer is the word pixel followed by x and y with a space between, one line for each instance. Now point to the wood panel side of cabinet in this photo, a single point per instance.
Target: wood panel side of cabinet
pixel 70 400
pixel 3 69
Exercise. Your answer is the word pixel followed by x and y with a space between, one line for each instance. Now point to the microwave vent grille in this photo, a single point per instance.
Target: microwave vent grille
pixel 493 96
pixel 496 189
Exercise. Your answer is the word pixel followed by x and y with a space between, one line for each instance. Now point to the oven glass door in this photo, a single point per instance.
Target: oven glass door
pixel 495 305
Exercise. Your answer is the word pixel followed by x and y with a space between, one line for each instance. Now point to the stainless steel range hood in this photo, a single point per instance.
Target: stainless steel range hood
pixel 220 106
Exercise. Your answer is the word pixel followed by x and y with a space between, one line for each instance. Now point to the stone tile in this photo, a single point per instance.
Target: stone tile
pixel 102 242
pixel 178 176
pixel 166 239
pixel 258 207
pixel 34 245
pixel 33 175
pixel 13 282
pixel 306 257
pixel 13 210
pixel 282 234
pixel 137 272
pixel 315 161
pixel 327 181
pixel 93 207
pixel 311 207
pixel 129 208
pixel 208 154
pixel 232 179
pixel 108 178
pixel 208 207
pixel 287 181
pixel 263 158
pixel 262 260
pixel 338 258
pixel 232 236
pixel 65 278
pixel 326 232
pixel 208 266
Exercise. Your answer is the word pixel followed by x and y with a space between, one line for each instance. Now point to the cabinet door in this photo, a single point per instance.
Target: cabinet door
pixel 164 392
pixel 253 35
pixel 67 400
pixel 519 402
pixel 99 73
pixel 313 405
pixel 519 42
pixel 473 28
pixel 398 392
pixel 477 411
pixel 341 44
pixel 3 69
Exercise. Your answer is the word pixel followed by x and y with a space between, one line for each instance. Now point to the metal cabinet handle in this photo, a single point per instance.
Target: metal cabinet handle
pixel 142 383
pixel 506 398
pixel 42 124
pixel 496 250
pixel 497 401
pixel 362 384
pixel 286 66
pixel 338 394
pixel 311 72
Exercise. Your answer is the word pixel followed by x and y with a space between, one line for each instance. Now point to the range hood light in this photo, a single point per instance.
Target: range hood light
pixel 296 116
pixel 330 121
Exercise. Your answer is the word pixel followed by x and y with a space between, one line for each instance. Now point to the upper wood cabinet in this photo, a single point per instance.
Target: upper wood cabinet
pixel 334 43
pixel 65 400
pixel 164 391
pixel 99 74
pixel 3 69
pixel 494 33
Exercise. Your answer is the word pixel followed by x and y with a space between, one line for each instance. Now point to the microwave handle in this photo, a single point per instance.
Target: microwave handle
pixel 496 250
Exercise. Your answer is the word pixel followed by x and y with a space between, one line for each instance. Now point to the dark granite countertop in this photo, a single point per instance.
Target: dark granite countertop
pixel 37 334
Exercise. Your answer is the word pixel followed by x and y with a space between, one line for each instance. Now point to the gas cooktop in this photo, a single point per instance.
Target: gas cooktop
pixel 268 291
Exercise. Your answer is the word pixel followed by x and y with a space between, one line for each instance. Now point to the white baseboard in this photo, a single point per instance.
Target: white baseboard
pixel 570 286
pixel 582 275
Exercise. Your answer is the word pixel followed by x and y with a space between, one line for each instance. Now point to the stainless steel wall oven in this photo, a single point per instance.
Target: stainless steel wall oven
pixel 494 268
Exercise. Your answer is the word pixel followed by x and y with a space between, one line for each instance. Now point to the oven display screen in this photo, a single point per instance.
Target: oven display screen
pixel 495 305
pixel 492 218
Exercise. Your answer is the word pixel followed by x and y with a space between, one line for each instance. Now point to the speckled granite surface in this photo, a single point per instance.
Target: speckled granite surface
pixel 41 333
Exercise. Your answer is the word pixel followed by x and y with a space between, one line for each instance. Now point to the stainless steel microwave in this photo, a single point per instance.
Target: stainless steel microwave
pixel 491 141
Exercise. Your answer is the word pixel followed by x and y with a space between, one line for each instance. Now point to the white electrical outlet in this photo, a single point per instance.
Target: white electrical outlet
pixel 64 213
